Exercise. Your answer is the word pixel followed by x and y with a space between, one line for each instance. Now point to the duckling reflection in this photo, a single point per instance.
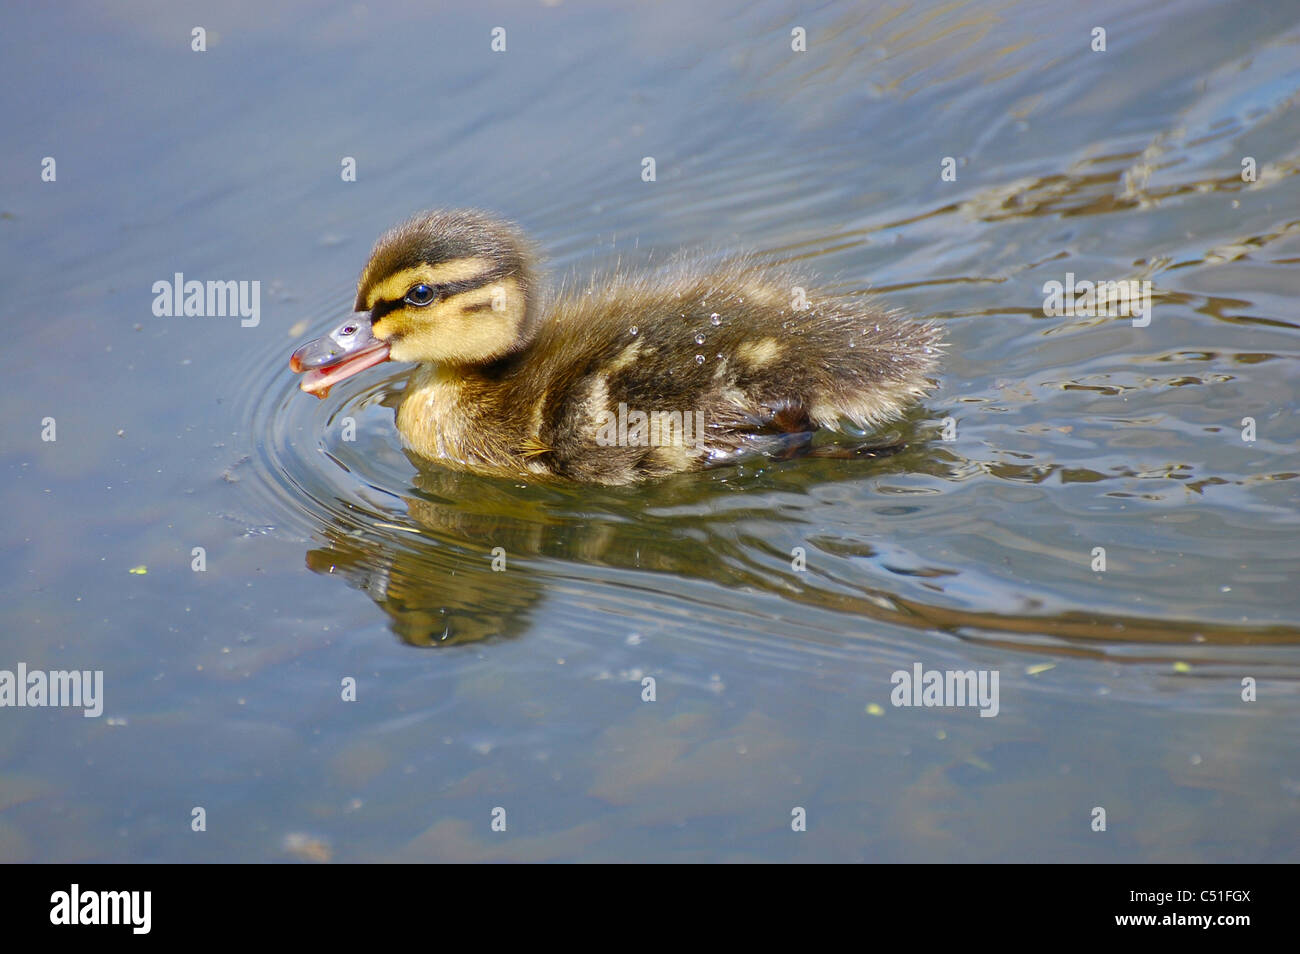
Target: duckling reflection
pixel 436 581
pixel 444 587
pixel 464 605
pixel 439 586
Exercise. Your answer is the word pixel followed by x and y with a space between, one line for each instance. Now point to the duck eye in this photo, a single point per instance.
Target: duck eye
pixel 420 295
pixel 350 330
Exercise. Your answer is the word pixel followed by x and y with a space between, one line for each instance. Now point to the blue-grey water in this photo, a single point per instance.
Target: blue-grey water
pixel 330 559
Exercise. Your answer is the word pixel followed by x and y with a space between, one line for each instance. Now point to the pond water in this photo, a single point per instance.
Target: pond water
pixel 330 558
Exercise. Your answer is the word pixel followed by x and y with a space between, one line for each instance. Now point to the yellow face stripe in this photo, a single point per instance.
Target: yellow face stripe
pixel 453 331
pixel 395 286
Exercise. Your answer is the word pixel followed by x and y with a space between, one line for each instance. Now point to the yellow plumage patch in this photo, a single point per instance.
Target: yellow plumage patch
pixel 448 332
pixel 759 354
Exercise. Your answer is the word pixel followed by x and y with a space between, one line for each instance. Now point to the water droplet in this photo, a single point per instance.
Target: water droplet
pixel 715 318
pixel 699 339
pixel 632 331
pixel 699 359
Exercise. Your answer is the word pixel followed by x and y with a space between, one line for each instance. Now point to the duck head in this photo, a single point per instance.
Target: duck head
pixel 446 287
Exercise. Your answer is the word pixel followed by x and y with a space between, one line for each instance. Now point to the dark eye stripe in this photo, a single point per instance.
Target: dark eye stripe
pixel 384 307
pixel 487 278
pixel 444 291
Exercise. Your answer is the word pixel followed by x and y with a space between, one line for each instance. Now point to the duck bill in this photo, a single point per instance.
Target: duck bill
pixel 347 350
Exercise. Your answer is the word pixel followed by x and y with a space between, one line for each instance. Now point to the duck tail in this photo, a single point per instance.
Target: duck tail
pixel 873 367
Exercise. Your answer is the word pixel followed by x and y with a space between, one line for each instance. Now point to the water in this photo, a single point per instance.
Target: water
pixel 330 559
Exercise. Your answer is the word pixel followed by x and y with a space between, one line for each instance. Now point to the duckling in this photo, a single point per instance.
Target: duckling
pixel 631 378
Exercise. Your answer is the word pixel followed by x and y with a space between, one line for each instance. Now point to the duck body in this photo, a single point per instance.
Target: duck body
pixel 632 377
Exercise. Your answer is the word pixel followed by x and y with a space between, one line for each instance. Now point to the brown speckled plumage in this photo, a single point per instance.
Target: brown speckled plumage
pixel 522 387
